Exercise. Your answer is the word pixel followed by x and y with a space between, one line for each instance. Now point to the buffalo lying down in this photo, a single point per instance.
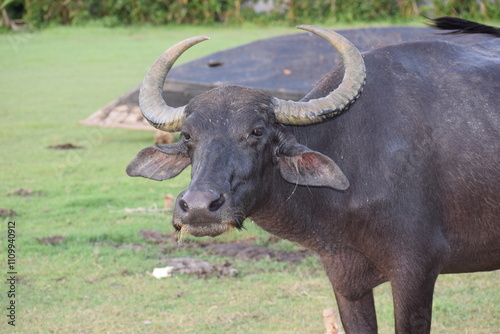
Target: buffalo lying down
pixel 401 188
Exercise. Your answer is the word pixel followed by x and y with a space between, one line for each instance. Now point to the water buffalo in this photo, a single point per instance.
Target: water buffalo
pixel 401 188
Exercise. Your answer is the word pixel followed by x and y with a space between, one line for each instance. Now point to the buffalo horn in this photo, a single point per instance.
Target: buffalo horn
pixel 169 119
pixel 153 107
pixel 317 110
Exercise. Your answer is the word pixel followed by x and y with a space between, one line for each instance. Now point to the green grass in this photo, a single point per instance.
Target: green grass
pixel 53 78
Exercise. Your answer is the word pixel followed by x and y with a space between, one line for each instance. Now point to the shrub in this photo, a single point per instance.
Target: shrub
pixel 125 12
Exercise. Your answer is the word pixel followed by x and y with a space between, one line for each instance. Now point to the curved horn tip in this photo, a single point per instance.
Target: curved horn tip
pixel 303 26
pixel 309 28
pixel 195 40
pixel 152 105
pixel 338 100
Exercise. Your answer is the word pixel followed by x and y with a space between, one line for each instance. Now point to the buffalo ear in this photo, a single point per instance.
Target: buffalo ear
pixel 300 165
pixel 159 162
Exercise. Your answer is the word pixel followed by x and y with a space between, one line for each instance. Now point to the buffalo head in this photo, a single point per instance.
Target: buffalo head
pixel 237 142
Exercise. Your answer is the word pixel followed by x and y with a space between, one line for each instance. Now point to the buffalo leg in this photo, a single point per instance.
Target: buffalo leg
pixel 413 305
pixel 358 316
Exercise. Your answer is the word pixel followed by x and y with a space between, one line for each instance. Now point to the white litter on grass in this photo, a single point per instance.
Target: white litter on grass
pixel 160 273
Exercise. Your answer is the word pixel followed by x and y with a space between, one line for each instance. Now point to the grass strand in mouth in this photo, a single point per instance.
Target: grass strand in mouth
pixel 181 235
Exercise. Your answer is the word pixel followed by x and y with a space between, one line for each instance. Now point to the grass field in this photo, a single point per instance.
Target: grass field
pixel 97 280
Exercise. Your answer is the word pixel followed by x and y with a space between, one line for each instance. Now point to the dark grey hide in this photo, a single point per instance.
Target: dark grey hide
pixel 403 186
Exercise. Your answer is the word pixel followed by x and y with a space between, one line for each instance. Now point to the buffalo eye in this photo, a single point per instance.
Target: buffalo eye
pixel 258 132
pixel 186 136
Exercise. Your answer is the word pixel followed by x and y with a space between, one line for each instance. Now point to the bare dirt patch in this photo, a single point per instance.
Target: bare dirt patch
pixel 154 236
pixel 253 252
pixel 201 268
pixel 53 240
pixel 24 192
pixel 67 146
pixel 7 212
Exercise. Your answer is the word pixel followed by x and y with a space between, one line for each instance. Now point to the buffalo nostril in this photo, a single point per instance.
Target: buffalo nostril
pixel 201 201
pixel 183 205
pixel 215 205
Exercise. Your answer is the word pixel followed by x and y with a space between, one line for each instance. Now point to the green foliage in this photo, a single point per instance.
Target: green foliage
pixel 485 9
pixel 342 10
pixel 5 3
pixel 383 10
pixel 126 12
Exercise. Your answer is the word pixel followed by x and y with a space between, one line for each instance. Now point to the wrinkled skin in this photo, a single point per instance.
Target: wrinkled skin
pixel 420 149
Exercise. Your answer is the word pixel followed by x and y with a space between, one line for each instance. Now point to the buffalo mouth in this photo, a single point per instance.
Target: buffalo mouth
pixel 205 229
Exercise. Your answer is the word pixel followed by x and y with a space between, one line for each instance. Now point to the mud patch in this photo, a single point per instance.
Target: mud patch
pixel 7 212
pixel 54 240
pixel 253 252
pixel 67 146
pixel 24 192
pixel 154 236
pixel 200 268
